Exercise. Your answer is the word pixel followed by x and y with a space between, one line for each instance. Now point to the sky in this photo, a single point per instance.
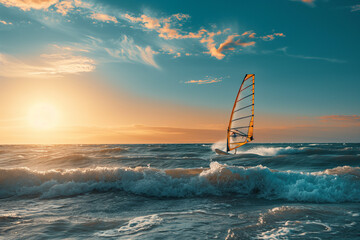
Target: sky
pixel 76 71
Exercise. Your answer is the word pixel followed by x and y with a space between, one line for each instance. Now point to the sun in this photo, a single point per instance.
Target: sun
pixel 43 116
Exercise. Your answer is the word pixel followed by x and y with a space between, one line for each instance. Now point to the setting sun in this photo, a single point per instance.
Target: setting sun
pixel 43 116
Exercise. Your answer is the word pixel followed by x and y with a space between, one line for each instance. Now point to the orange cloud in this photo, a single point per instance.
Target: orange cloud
pixel 208 80
pixel 127 50
pixel 68 48
pixel 26 5
pixel 66 64
pixel 49 65
pixel 149 22
pixel 5 23
pixel 103 17
pixel 308 2
pixel 271 37
pixel 167 32
pixel 64 7
pixel 249 34
pixel 341 118
pixel 164 26
pixel 228 45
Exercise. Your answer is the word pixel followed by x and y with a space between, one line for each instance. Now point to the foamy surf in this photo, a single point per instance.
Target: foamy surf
pixel 258 150
pixel 274 191
pixel 133 226
pixel 341 184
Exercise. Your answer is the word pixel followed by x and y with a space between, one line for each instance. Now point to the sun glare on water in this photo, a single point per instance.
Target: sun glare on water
pixel 43 116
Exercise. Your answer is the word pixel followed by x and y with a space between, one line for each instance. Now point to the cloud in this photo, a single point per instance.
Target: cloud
pixel 164 26
pixel 308 2
pixel 103 17
pixel 5 23
pixel 12 67
pixel 150 23
pixel 167 32
pixel 271 37
pixel 27 5
pixel 66 63
pixel 64 7
pixel 49 65
pixel 355 8
pixel 207 80
pixel 168 29
pixel 218 42
pixel 70 48
pixel 349 119
pixel 132 134
pixel 228 45
pixel 333 60
pixel 127 50
pixel 171 50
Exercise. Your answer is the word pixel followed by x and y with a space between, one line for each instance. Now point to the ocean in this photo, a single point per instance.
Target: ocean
pixel 180 191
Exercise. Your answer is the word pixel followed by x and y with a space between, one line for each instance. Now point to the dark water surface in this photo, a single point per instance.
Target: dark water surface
pixel 180 191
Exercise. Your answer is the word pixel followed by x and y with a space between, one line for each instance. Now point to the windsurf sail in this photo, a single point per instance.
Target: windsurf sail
pixel 241 126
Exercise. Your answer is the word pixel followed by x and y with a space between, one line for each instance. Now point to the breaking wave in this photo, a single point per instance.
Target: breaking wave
pixel 341 184
pixel 261 151
pixel 270 151
pixel 111 150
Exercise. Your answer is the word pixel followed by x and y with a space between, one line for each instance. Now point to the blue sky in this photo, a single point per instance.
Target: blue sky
pixel 305 54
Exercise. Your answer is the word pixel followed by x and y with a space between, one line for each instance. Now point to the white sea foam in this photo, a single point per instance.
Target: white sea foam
pixel 261 151
pixel 270 151
pixel 140 223
pixel 135 225
pixel 340 184
pixel 276 233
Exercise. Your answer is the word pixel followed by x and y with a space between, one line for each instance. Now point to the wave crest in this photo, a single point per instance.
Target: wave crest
pixel 340 184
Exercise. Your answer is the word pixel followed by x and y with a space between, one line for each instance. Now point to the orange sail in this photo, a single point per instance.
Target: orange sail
pixel 241 126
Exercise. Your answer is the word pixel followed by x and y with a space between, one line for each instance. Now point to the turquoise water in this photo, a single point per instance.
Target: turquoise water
pixel 180 191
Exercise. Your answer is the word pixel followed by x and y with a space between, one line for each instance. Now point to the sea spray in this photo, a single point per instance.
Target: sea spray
pixel 341 184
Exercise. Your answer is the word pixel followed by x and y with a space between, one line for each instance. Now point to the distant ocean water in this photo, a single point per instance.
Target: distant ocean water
pixel 180 191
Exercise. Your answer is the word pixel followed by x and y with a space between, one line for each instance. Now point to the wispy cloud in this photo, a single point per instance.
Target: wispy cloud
pixel 103 17
pixel 5 23
pixel 148 22
pixel 172 50
pixel 206 80
pixel 355 8
pixel 333 60
pixel 49 65
pixel 228 45
pixel 66 63
pixel 352 119
pixel 27 5
pixel 271 37
pixel 218 42
pixel 64 7
pixel 308 2
pixel 70 48
pixel 165 26
pixel 126 50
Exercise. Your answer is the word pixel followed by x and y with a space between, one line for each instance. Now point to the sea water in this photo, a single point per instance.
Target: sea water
pixel 180 191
